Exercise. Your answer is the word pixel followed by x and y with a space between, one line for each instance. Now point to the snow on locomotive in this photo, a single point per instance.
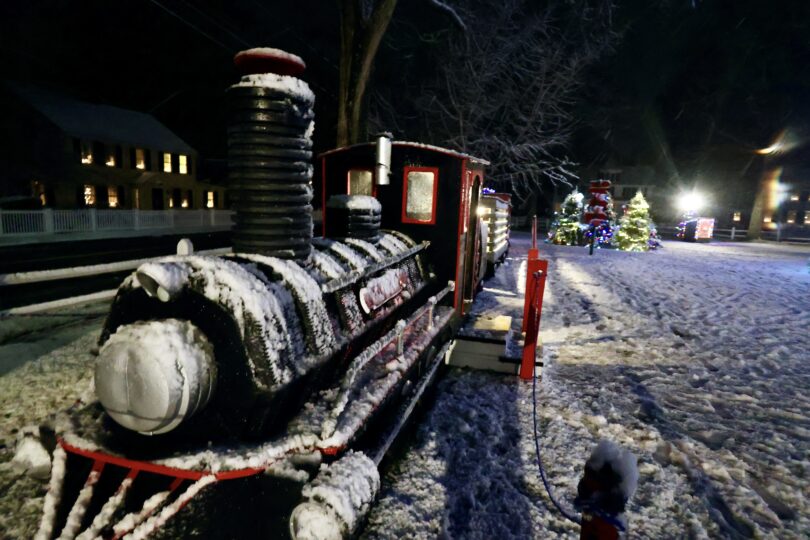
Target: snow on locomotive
pixel 255 394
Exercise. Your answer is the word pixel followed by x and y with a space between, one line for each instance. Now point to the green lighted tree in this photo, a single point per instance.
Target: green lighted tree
pixel 634 226
pixel 566 229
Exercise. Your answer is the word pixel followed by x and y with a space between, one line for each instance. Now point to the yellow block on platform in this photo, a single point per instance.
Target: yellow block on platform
pixel 489 343
pixel 500 323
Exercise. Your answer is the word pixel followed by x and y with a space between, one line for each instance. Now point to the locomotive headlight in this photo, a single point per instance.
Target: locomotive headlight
pixel 152 375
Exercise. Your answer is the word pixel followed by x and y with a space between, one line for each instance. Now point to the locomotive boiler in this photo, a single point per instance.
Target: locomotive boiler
pixel 255 394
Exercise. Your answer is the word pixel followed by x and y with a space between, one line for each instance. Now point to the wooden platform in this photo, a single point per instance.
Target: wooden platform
pixel 491 344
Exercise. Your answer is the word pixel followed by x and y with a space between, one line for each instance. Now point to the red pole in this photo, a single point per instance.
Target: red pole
pixel 533 309
pixel 532 266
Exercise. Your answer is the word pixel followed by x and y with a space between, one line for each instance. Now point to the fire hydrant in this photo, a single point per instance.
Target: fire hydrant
pixel 610 479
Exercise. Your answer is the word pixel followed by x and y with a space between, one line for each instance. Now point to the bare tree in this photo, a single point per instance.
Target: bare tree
pixel 362 25
pixel 506 85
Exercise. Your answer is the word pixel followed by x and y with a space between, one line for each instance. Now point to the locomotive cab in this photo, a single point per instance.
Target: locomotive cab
pixel 431 195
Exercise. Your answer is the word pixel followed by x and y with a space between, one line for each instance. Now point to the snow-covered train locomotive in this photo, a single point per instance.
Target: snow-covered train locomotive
pixel 264 387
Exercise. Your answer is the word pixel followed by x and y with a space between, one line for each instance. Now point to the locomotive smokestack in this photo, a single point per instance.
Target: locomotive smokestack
pixel 269 155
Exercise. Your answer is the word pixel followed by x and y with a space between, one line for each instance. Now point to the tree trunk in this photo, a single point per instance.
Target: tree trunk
pixel 760 200
pixel 359 41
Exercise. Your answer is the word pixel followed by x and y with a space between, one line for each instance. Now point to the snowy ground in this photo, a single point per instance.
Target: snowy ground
pixel 46 361
pixel 695 357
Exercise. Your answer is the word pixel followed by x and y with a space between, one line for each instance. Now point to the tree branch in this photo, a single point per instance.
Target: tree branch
pixel 450 11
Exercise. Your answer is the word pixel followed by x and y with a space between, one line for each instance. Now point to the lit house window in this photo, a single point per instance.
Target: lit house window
pixel 38 191
pixel 766 219
pixel 182 164
pixel 210 201
pixel 737 216
pixel 794 197
pixel 791 216
pixel 167 162
pixel 140 159
pixel 419 194
pixel 360 183
pixel 112 196
pixel 89 195
pixel 171 202
pixel 110 162
pixel 87 153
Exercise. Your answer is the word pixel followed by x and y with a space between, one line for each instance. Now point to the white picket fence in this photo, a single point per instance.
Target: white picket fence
pixel 735 234
pixel 42 222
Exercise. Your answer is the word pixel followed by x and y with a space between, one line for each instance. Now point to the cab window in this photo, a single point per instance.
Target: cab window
pixel 360 182
pixel 419 194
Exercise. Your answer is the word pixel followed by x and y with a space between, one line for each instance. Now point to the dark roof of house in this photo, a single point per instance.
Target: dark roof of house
pixel 103 123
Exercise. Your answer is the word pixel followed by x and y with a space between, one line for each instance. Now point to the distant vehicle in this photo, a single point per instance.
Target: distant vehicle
pixel 696 229
pixel 495 209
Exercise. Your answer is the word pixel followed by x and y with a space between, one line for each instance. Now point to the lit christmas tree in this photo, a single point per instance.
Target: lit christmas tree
pixel 635 226
pixel 566 228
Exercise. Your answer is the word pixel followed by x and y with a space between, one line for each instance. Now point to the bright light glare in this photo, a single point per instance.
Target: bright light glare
pixel 691 202
pixel 784 142
pixel 772 149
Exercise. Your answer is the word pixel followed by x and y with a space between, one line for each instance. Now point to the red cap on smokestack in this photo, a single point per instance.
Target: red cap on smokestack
pixel 266 60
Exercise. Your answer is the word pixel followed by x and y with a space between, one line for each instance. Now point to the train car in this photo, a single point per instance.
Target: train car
pixel 495 210
pixel 255 394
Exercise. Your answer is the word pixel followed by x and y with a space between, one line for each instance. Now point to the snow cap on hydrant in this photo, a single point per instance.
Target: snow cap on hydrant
pixel 610 479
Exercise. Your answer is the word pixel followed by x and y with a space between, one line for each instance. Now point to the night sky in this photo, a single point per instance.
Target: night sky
pixel 136 54
pixel 695 90
pixel 691 88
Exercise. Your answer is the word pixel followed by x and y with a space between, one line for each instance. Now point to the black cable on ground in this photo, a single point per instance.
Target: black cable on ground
pixel 569 516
